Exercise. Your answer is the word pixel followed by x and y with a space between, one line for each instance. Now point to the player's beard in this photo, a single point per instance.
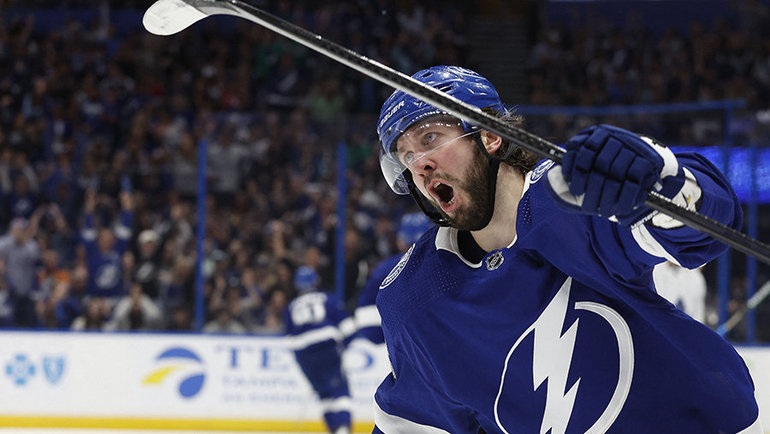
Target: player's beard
pixel 472 215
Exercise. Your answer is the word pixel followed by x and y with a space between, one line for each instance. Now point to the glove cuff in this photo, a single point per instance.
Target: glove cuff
pixel 682 189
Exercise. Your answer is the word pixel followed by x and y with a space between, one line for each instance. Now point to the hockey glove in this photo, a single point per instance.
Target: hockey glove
pixel 609 171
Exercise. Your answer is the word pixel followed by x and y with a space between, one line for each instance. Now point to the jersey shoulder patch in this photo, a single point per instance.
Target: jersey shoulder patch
pixel 540 170
pixel 397 269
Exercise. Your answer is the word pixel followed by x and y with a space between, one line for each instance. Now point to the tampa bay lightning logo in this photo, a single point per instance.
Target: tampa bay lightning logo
pixel 552 357
pixel 539 171
pixel 397 269
pixel 175 360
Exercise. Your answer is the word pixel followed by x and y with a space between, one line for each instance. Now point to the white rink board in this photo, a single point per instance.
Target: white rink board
pixel 758 361
pixel 110 375
pixel 245 378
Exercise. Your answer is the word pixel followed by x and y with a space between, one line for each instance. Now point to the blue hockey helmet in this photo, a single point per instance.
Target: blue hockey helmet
pixel 401 110
pixel 306 279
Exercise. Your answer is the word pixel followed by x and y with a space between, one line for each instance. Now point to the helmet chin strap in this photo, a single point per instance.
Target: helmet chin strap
pixel 439 219
pixel 427 209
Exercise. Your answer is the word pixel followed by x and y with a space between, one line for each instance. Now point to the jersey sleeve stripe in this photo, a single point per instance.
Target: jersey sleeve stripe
pixel 343 403
pixel 308 338
pixel 347 327
pixel 649 244
pixel 367 316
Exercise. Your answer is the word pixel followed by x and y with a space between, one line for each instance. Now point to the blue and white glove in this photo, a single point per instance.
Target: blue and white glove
pixel 609 171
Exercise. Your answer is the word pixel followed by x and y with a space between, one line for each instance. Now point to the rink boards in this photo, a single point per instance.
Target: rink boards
pixel 170 381
pixel 193 382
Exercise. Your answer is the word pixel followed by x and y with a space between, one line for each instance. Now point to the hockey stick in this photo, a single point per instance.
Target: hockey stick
pixel 751 304
pixel 167 17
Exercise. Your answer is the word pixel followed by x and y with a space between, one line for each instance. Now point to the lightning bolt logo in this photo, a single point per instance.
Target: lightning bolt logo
pixel 552 358
pixel 551 361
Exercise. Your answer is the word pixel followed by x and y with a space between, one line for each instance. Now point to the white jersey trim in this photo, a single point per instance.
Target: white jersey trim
pixel 333 405
pixel 347 327
pixel 304 340
pixel 391 424
pixel 446 239
pixel 368 316
pixel 649 244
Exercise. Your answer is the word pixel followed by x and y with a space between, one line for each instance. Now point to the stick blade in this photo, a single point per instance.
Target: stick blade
pixel 168 17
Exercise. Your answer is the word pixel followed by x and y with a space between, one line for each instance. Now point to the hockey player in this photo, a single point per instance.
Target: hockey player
pixel 320 328
pixel 531 309
pixel 411 227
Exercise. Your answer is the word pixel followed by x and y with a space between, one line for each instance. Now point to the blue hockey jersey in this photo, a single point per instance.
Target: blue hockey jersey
pixel 319 327
pixel 366 315
pixel 560 332
pixel 317 317
pixel 105 269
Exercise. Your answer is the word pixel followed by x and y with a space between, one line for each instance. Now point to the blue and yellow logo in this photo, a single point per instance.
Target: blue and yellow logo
pixel 175 360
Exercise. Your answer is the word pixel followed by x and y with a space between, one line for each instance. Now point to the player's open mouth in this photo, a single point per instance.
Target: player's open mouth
pixel 445 195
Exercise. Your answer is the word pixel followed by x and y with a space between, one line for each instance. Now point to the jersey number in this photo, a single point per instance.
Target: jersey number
pixel 308 313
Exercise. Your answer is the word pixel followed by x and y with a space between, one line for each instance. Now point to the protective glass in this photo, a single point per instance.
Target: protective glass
pixel 416 143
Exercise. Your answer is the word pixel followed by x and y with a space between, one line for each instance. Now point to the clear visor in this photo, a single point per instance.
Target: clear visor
pixel 417 143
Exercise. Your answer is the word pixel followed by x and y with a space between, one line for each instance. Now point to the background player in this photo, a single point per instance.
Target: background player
pixel 320 328
pixel 531 309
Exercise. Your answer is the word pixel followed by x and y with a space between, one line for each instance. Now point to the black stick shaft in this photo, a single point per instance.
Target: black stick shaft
pixel 452 105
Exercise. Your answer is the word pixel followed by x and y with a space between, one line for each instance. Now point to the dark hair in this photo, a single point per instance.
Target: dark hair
pixel 519 158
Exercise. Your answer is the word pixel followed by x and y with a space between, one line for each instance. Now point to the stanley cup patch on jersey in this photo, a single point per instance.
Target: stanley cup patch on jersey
pixel 397 269
pixel 552 355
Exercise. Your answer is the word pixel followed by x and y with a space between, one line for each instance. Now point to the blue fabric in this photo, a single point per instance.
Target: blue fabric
pixel 615 169
pixel 368 297
pixel 564 331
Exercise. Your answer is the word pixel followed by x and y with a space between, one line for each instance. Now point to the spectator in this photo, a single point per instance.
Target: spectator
pixel 180 319
pixel 148 263
pixel 224 322
pixel 104 249
pixel 94 317
pixel 7 315
pixel 134 312
pixel 19 251
pixel 61 308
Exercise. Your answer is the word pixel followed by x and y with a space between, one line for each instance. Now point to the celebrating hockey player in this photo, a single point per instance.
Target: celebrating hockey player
pixel 532 308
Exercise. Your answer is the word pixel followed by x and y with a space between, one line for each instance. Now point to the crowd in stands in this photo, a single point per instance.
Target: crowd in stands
pixel 100 132
pixel 624 61
pixel 99 140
